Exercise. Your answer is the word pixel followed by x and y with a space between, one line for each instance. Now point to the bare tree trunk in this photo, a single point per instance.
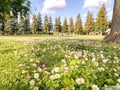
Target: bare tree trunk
pixel 114 35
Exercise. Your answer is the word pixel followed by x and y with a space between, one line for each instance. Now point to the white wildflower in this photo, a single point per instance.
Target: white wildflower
pixel 95 87
pixel 80 81
pixel 32 82
pixel 36 88
pixel 36 75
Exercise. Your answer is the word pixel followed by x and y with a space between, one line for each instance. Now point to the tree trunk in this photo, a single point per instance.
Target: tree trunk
pixel 114 36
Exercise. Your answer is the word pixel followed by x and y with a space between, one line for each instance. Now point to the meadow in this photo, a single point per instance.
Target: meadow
pixel 58 63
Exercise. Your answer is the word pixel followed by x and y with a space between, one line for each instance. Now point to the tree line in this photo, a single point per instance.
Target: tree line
pixel 37 26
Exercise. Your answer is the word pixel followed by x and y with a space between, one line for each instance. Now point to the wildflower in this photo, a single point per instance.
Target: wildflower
pixel 63 60
pixel 101 69
pixel 36 88
pixel 104 60
pixel 34 65
pixel 57 69
pixel 57 76
pixel 95 87
pixel 118 80
pixel 39 69
pixel 32 82
pixel 80 81
pixel 66 69
pixel 24 71
pixel 36 75
pixel 52 77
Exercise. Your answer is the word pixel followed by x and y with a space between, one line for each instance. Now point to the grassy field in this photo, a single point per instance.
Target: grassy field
pixel 58 63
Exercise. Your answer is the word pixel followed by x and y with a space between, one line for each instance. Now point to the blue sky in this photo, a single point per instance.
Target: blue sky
pixel 68 8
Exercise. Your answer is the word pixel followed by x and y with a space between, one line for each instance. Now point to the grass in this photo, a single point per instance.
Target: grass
pixel 55 62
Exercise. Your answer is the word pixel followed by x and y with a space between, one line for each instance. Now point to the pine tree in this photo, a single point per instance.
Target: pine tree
pixel 39 23
pixel 65 26
pixel 50 24
pixel 57 26
pixel 27 24
pixel 71 26
pixel 21 26
pixel 101 23
pixel 34 24
pixel 78 25
pixel 46 25
pixel 89 24
pixel 8 24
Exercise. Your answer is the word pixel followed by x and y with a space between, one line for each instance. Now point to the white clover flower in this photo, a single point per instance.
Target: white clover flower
pixel 116 74
pixel 66 69
pixel 24 71
pixel 63 60
pixel 105 60
pixel 96 63
pixel 32 82
pixel 101 69
pixel 56 69
pixel 118 80
pixel 36 75
pixel 57 76
pixel 95 87
pixel 52 77
pixel 34 65
pixel 36 88
pixel 80 81
pixel 31 60
pixel 39 69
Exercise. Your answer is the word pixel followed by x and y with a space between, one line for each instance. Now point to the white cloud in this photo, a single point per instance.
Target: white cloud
pixel 50 6
pixel 92 4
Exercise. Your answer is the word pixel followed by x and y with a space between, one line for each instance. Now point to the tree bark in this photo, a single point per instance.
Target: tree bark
pixel 114 36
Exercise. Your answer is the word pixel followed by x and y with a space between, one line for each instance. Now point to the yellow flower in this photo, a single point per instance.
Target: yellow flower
pixel 80 81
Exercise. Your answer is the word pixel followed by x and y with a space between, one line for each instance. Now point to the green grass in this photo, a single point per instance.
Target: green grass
pixel 84 57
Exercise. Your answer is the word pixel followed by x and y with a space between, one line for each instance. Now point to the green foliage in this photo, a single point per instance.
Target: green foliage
pixel 78 25
pixel 46 25
pixel 89 24
pixel 101 23
pixel 22 6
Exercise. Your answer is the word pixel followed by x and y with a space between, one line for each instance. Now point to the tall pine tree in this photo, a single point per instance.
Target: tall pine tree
pixel 39 23
pixel 34 24
pixel 89 24
pixel 101 23
pixel 78 25
pixel 71 26
pixel 50 24
pixel 65 26
pixel 46 25
pixel 57 26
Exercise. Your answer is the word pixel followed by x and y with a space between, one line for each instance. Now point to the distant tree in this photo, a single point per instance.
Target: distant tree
pixel 46 25
pixel 65 26
pixel 8 24
pixel 34 25
pixel 50 24
pixel 39 23
pixel 21 25
pixel 27 24
pixel 89 24
pixel 101 23
pixel 78 25
pixel 71 26
pixel 57 26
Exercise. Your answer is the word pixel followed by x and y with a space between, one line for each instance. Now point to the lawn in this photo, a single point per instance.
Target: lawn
pixel 58 63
